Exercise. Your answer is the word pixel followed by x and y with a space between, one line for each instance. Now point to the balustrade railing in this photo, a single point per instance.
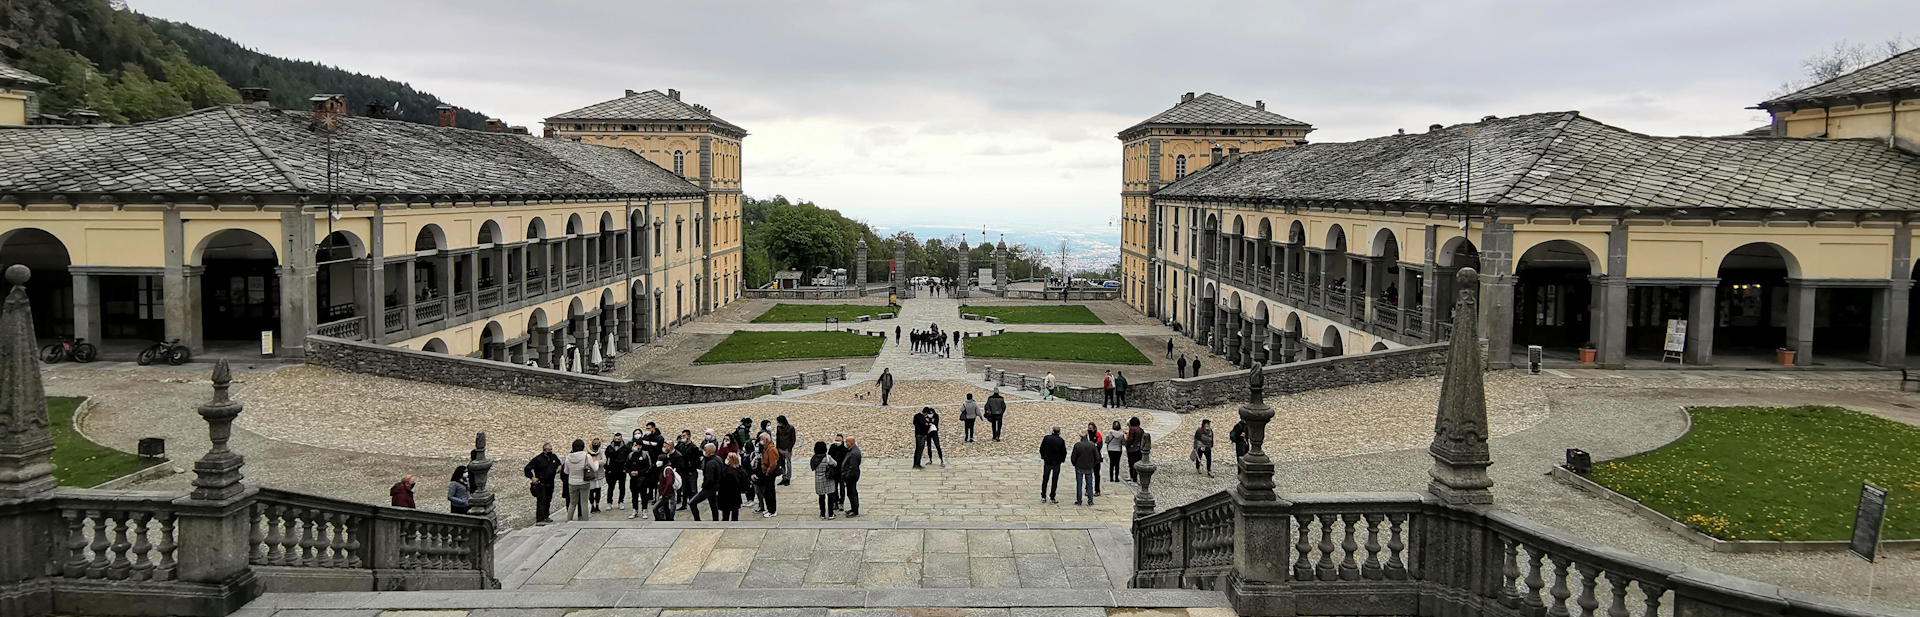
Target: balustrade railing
pixel 396 318
pixel 1416 321
pixel 489 296
pixel 513 293
pixel 429 311
pixel 573 275
pixel 1335 301
pixel 118 536
pixel 536 286
pixel 294 530
pixel 1386 315
pixel 463 304
pixel 351 328
pixel 1443 331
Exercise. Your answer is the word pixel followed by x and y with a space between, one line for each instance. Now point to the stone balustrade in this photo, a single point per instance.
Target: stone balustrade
pixel 301 542
pixel 780 383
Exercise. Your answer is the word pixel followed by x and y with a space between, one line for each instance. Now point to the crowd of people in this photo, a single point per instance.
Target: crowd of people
pixel 648 475
pixel 929 341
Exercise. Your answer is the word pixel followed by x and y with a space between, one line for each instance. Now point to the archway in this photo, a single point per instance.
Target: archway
pixel 539 347
pixel 1291 348
pixel 1750 306
pixel 607 245
pixel 1335 270
pixel 1330 343
pixel 50 290
pixel 1553 298
pixel 1385 280
pixel 573 338
pixel 434 345
pixel 239 288
pixel 337 280
pixel 492 343
pixel 1378 346
pixel 1239 249
pixel 1264 351
pixel 1456 253
pixel 1265 257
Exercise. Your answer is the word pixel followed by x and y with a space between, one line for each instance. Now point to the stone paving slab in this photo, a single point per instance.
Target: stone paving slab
pixel 497 602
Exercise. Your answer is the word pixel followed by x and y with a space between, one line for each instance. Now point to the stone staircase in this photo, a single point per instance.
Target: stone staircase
pixel 790 568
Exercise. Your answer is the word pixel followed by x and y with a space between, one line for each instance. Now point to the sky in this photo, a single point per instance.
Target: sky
pixel 954 115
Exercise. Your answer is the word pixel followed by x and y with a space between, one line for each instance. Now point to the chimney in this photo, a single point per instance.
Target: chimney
pixel 519 130
pixel 328 109
pixel 673 94
pixel 494 125
pixel 449 116
pixel 256 97
pixel 1233 155
pixel 1260 105
pixel 1215 158
pixel 1400 131
pixel 1434 128
pixel 1186 97
pixel 546 132
pixel 81 116
pixel 1489 118
pixel 630 92
pixel 376 110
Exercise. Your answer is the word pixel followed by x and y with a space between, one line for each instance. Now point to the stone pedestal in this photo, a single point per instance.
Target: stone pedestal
pixel 1459 449
pixel 860 267
pixel 26 444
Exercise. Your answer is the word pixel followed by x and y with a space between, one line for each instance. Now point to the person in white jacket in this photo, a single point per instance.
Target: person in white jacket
pixel 582 473
pixel 1046 384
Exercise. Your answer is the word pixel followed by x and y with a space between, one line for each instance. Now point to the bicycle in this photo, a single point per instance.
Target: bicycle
pixel 78 350
pixel 170 350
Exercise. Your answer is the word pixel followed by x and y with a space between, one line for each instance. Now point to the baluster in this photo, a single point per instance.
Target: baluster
pixel 121 565
pixel 1396 548
pixel 406 544
pixel 98 567
pixel 1371 569
pixel 1617 584
pixel 257 535
pixel 1303 565
pixel 165 569
pixel 1535 605
pixel 1651 593
pixel 270 546
pixel 76 565
pixel 1326 567
pixel 289 536
pixel 353 541
pixel 1349 566
pixel 442 537
pixel 1509 573
pixel 142 563
pixel 1559 590
pixel 306 538
pixel 1589 577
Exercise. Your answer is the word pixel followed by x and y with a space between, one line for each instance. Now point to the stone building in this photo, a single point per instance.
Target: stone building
pixel 1584 234
pixel 1876 102
pixel 19 95
pixel 697 145
pixel 1165 148
pixel 232 221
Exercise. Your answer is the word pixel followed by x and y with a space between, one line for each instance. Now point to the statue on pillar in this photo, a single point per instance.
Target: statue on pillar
pixel 26 444
pixel 1459 449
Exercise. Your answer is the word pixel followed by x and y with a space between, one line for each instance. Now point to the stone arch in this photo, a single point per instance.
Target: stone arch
pixel 1330 343
pixel 489 234
pixel 574 225
pixel 1209 293
pixel 1756 254
pixel 434 345
pixel 1233 301
pixel 536 229
pixel 339 245
pixel 233 243
pixel 430 238
pixel 1752 298
pixel 1293 323
pixel 1553 297
pixel 1384 242
pixel 1336 239
pixel 537 319
pixel 1266 229
pixel 50 287
pixel 337 282
pixel 240 285
pixel 1457 252
pixel 1296 232
pixel 1378 346
pixel 606 221
pixel 491 334
pixel 1239 225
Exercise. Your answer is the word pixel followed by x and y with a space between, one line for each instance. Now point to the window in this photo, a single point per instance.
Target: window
pixel 679 163
pixel 679 236
pixel 1180 167
pixel 657 241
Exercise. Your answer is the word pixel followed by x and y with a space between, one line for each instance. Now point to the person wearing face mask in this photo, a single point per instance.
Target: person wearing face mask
pixel 541 471
pixel 597 451
pixel 640 474
pixel 617 454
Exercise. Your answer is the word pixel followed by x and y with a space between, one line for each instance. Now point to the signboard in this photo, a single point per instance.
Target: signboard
pixel 1867 520
pixel 266 342
pixel 1676 335
pixel 986 275
pixel 893 265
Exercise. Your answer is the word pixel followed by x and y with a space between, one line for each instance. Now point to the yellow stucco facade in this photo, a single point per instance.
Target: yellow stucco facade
pixel 1896 121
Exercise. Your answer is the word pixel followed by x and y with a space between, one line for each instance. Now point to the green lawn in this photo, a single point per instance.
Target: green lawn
pixel 1777 473
pixel 816 313
pixel 757 346
pixel 1058 313
pixel 1101 348
pixel 81 463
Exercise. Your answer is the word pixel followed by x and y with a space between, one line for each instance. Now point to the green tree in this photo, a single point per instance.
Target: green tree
pixel 198 84
pixel 76 83
pixel 135 98
pixel 801 237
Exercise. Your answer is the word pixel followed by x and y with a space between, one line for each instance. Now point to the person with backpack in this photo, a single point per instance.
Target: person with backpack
pixel 580 467
pixel 1238 435
pixel 1136 447
pixel 824 485
pixel 1120 389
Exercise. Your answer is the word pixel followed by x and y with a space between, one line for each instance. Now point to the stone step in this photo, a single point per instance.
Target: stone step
pixel 541 544
pixel 783 602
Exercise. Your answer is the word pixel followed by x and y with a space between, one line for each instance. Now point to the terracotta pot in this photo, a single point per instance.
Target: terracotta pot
pixel 1587 355
pixel 1784 356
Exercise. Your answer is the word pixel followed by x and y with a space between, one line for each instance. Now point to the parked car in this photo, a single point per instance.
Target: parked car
pixel 1110 284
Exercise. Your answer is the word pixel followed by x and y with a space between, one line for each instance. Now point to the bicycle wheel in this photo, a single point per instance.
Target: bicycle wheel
pixel 179 355
pixel 51 354
pixel 85 352
pixel 148 355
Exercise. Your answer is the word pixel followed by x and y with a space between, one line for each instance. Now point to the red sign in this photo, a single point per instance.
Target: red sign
pixel 893 265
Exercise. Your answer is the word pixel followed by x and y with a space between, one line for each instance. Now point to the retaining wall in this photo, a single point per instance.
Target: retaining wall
pixel 402 363
pixel 1222 388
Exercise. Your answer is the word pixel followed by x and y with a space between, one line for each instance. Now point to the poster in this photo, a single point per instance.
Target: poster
pixel 1676 335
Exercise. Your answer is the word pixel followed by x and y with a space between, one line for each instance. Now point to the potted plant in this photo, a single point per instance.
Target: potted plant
pixel 1587 353
pixel 1785 355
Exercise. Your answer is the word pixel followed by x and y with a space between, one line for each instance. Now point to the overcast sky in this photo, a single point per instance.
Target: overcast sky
pixel 950 113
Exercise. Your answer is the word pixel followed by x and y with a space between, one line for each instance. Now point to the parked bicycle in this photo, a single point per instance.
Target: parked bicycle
pixel 77 350
pixel 170 350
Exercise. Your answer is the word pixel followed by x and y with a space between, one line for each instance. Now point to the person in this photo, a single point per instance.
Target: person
pixel 772 460
pixel 1169 346
pixel 712 468
pixel 1046 387
pixel 1106 390
pixel 540 471
pixel 593 478
pixel 458 494
pixel 886 385
pixel 933 436
pixel 896 336
pixel 850 477
pixel 824 472
pixel 1136 439
pixel 402 492
pixel 1093 433
pixel 640 472
pixel 665 487
pixel 996 412
pixel 1238 435
pixel 1116 440
pixel 727 490
pixel 1196 366
pixel 1120 388
pixel 686 462
pixel 617 454
pixel 919 436
pixel 579 485
pixel 1053 452
pixel 969 411
pixel 1203 447
pixel 1086 468
pixel 783 438
pixel 1183 366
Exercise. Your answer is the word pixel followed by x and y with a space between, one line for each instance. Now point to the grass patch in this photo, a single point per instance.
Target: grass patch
pixel 759 346
pixel 818 313
pixel 78 462
pixel 1068 347
pixel 1776 473
pixel 1058 313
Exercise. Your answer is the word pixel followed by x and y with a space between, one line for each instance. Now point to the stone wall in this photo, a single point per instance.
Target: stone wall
pixel 1085 293
pixel 828 293
pixel 401 363
pixel 1222 388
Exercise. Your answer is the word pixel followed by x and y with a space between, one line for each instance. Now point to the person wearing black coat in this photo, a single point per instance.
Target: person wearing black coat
pixel 712 470
pixel 1086 468
pixel 540 473
pixel 729 484
pixel 1238 435
pixel 1053 452
pixel 995 412
pixel 784 437
pixel 919 436
pixel 686 462
pixel 850 477
pixel 616 472
pixel 933 436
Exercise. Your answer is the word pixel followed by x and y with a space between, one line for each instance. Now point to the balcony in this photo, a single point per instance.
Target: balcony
pixel 351 328
pixel 490 296
pixel 429 311
pixel 396 318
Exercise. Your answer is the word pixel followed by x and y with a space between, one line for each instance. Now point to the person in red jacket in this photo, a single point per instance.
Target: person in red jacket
pixel 402 492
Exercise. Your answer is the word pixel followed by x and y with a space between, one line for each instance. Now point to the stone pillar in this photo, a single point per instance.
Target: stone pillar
pixel 1404 299
pixel 444 271
pixel 410 278
pixel 1289 347
pixel 180 285
pixel 1429 286
pixel 1244 359
pixel 86 307
pixel 26 445
pixel 215 524
pixel 1261 524
pixel 1371 287
pixel 559 281
pixel 542 341
pixel 623 326
pixel 1000 264
pixel 578 328
pixel 1496 292
pixel 1261 341
pixel 1459 448
pixel 1609 324
pixel 520 271
pixel 296 305
pixel 376 264
pixel 1800 318
pixel 899 271
pixel 1232 328
pixel 1887 342
pixel 960 286
pixel 1700 323
pixel 1143 504
pixel 480 501
pixel 860 267
pixel 373 322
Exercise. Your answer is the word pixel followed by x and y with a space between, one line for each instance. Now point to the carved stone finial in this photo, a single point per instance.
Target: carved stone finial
pixel 1459 449
pixel 1143 503
pixel 480 501
pixel 26 444
pixel 1255 482
pixel 217 475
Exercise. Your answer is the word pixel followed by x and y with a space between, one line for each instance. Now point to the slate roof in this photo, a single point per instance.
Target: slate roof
pixel 649 105
pixel 1898 73
pixel 241 149
pixel 12 75
pixel 1565 159
pixel 1210 108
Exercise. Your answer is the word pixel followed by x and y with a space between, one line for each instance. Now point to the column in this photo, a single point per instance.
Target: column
pixel 1609 320
pixel 1371 266
pixel 1700 323
pixel 180 286
pixel 1289 348
pixel 1217 343
pixel 376 306
pixel 559 273
pixel 86 307
pixel 542 350
pixel 1352 289
pixel 470 262
pixel 1800 319
pixel 1231 330
pixel 1430 301
pixel 1405 300
pixel 623 326
pixel 410 278
pixel 1887 340
pixel 1496 292
pixel 1245 357
pixel 502 271
pixel 578 328
pixel 1260 341
pixel 444 270
pixel 365 297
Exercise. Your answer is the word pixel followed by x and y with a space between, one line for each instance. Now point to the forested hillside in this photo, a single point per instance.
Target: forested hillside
pixel 132 68
pixel 782 234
